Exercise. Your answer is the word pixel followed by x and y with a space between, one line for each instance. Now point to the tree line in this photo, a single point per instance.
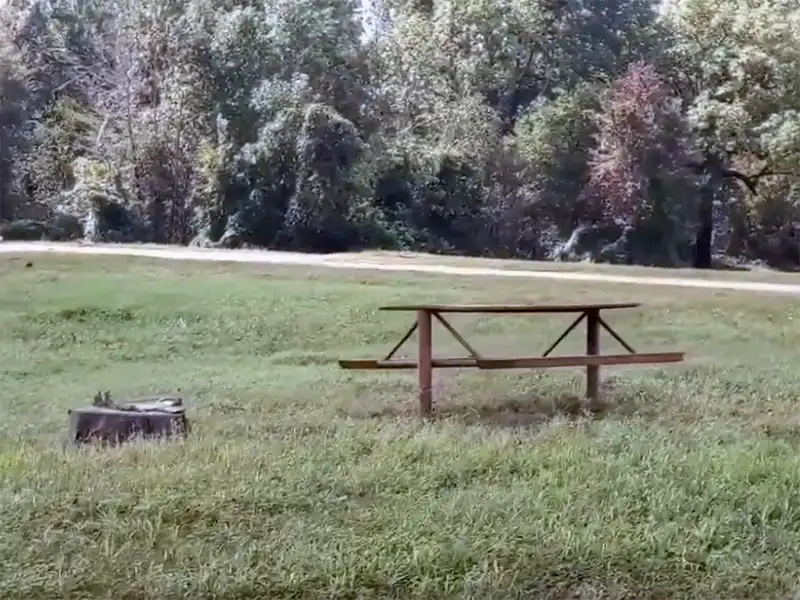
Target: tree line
pixel 635 131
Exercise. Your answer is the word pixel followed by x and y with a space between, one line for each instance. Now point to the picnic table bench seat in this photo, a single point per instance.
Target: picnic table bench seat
pixel 533 362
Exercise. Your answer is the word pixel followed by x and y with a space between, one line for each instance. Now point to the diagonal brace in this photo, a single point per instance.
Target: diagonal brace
pixel 615 335
pixel 459 338
pixel 564 335
pixel 402 341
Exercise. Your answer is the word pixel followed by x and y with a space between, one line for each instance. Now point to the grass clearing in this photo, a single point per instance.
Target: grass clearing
pixel 300 480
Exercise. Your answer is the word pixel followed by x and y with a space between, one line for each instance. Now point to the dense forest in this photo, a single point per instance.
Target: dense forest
pixel 634 131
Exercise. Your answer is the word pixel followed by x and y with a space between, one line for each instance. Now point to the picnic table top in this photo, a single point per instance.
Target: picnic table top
pixel 511 308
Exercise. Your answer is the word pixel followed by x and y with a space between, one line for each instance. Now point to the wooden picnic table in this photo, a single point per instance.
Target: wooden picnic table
pixel 425 363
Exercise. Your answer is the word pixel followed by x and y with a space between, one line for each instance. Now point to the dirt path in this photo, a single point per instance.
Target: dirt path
pixel 340 261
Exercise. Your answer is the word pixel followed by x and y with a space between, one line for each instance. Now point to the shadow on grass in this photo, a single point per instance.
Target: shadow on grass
pixel 533 411
pixel 529 410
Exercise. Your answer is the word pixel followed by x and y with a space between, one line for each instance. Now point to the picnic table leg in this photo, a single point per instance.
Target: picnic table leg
pixel 592 349
pixel 425 368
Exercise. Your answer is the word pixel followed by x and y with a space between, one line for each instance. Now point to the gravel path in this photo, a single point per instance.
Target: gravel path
pixel 403 265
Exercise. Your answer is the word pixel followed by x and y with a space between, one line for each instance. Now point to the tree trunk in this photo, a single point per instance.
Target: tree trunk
pixel 705 229
pixel 6 195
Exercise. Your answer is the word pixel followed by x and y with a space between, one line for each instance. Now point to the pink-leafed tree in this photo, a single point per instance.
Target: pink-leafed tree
pixel 639 168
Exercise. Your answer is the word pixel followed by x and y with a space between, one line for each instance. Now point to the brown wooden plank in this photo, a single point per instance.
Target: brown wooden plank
pixel 407 363
pixel 510 308
pixel 539 362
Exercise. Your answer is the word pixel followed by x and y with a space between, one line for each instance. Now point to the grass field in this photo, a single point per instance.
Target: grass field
pixel 303 481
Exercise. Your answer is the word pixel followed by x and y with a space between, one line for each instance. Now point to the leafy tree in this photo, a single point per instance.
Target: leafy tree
pixel 639 172
pixel 13 130
pixel 514 54
pixel 555 140
pixel 737 65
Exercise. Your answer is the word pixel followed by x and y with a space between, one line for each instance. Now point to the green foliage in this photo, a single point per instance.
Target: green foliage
pixel 65 135
pixel 60 228
pixel 457 126
pixel 14 128
pixel 553 140
pixel 23 230
pixel 736 65
pixel 742 59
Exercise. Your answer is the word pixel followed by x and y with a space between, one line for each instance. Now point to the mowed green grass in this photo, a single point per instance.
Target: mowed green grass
pixel 300 480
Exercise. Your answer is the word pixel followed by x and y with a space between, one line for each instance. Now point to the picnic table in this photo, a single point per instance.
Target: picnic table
pixel 425 363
